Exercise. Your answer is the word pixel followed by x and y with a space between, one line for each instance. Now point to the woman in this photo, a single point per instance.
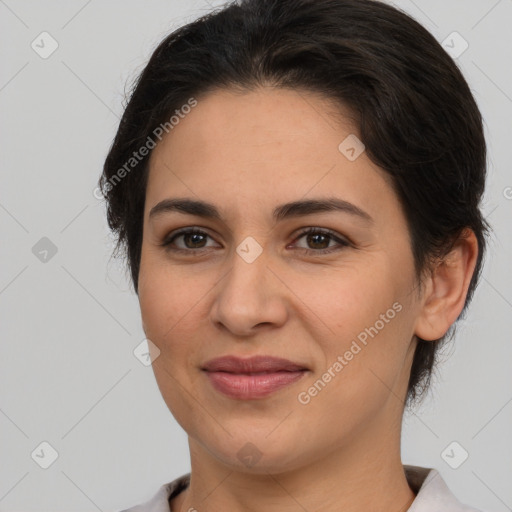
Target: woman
pixel 297 187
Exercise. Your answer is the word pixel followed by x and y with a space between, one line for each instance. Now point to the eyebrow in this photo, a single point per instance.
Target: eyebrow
pixel 284 211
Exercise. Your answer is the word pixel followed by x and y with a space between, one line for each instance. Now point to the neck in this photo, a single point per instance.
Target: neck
pixel 350 478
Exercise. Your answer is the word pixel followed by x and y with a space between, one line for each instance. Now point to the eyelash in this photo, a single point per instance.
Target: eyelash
pixel 312 230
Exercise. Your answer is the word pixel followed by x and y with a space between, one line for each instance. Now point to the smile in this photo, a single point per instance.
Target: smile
pixel 253 378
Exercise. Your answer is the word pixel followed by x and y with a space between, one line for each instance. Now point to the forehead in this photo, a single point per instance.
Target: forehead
pixel 264 146
pixel 260 122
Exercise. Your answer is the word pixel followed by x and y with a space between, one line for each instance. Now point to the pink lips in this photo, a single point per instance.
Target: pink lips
pixel 252 378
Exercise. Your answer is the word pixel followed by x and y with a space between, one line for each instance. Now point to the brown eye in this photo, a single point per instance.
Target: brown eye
pixel 187 240
pixel 321 241
pixel 318 240
pixel 194 240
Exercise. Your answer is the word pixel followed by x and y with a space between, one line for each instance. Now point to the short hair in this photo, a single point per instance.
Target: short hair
pixel 415 112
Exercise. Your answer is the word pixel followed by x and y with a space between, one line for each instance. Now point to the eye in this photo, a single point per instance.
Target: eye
pixel 193 240
pixel 320 241
pixel 190 240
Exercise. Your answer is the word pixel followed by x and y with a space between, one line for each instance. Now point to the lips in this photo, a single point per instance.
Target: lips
pixel 255 364
pixel 252 378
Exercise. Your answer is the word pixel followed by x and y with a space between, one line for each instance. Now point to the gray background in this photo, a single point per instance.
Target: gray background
pixel 69 325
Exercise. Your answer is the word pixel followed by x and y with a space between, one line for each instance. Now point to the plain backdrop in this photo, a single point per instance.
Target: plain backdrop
pixel 70 322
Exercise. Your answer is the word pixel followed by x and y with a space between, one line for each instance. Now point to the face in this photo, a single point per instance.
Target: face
pixel 326 282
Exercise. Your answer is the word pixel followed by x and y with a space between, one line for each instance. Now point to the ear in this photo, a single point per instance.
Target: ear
pixel 445 290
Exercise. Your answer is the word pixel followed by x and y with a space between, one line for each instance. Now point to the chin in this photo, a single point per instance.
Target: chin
pixel 255 452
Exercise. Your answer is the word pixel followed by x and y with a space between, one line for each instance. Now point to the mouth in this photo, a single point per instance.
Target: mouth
pixel 252 378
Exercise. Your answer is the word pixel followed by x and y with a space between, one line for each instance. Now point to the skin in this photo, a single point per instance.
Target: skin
pixel 247 153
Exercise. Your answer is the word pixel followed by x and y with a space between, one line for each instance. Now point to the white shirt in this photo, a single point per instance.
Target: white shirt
pixel 432 493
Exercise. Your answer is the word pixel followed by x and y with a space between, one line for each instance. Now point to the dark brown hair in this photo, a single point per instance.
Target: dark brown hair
pixel 415 111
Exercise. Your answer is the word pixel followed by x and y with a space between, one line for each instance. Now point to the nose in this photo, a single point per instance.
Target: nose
pixel 249 298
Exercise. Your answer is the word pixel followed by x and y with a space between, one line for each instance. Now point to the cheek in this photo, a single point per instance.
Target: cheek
pixel 171 309
pixel 168 297
pixel 349 299
pixel 173 304
pixel 364 333
pixel 363 369
pixel 169 322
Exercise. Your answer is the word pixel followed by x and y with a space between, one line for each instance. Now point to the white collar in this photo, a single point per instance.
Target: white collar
pixel 432 493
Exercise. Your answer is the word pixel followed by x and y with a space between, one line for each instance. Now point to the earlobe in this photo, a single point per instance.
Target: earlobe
pixel 446 288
